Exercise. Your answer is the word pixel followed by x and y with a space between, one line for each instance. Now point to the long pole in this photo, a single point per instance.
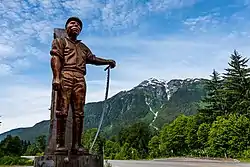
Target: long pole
pixel 104 107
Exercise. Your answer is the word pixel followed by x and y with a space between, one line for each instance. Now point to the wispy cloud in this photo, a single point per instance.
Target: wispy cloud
pixel 29 23
pixel 23 104
pixel 4 70
pixel 6 50
pixel 203 23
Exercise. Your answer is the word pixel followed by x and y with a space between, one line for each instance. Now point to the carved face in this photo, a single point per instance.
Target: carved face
pixel 74 28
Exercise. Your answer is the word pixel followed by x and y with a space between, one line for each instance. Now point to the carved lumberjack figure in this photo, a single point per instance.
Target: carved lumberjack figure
pixel 68 63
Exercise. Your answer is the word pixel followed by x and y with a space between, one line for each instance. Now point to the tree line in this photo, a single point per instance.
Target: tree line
pixel 13 146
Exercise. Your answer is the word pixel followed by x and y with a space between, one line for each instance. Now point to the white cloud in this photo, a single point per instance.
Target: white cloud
pixel 204 23
pixel 21 63
pixel 162 5
pixel 27 25
pixel 5 51
pixel 23 105
pixel 5 70
pixel 172 56
pixel 124 14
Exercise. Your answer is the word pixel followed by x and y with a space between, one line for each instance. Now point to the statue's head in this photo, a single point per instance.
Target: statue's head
pixel 73 26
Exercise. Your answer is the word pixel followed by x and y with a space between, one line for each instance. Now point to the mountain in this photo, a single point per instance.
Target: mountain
pixel 153 101
pixel 29 133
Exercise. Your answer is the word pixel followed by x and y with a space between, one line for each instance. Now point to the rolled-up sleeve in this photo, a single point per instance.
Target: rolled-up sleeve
pixel 90 57
pixel 56 48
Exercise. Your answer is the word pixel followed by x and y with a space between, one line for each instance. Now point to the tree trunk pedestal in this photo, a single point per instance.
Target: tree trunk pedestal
pixel 74 161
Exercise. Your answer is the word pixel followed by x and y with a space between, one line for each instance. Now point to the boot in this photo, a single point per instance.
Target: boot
pixel 77 134
pixel 60 135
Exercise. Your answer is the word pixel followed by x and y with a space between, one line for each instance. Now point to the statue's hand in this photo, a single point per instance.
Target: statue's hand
pixel 56 84
pixel 112 63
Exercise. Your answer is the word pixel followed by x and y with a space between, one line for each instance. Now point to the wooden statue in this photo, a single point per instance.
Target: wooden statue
pixel 69 57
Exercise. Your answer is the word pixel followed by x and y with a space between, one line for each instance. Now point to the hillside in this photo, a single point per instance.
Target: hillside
pixel 153 101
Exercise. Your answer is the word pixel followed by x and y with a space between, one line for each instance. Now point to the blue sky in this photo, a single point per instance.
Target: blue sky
pixel 165 39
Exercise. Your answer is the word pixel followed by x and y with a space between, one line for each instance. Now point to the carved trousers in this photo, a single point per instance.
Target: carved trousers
pixel 72 92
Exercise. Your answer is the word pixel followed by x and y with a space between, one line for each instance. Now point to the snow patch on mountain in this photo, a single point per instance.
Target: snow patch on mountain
pixel 155 113
pixel 151 124
pixel 148 104
pixel 152 82
pixel 170 86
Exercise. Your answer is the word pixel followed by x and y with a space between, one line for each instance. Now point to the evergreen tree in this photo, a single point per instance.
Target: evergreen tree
pixel 211 106
pixel 41 142
pixel 11 146
pixel 236 85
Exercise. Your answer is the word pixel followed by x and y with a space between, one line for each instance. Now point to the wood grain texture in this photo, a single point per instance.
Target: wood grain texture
pixel 75 161
pixel 58 33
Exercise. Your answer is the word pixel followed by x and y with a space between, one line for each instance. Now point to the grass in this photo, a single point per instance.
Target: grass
pixel 15 161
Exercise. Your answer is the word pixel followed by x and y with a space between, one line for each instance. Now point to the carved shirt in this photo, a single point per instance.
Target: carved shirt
pixel 74 55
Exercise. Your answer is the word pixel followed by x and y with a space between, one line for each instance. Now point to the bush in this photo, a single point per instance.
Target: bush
pixel 40 154
pixel 246 154
pixel 8 160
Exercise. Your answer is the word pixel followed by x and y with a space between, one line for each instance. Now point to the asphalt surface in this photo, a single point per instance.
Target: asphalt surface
pixel 176 163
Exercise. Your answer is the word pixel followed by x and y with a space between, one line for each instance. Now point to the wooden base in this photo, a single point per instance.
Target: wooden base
pixel 74 161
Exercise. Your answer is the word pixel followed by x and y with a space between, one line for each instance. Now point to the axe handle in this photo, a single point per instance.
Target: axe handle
pixel 106 68
pixel 52 119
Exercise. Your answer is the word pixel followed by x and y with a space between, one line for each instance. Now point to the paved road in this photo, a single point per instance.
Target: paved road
pixel 176 163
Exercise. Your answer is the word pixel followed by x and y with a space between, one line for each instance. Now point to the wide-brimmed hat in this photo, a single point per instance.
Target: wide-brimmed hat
pixel 74 19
